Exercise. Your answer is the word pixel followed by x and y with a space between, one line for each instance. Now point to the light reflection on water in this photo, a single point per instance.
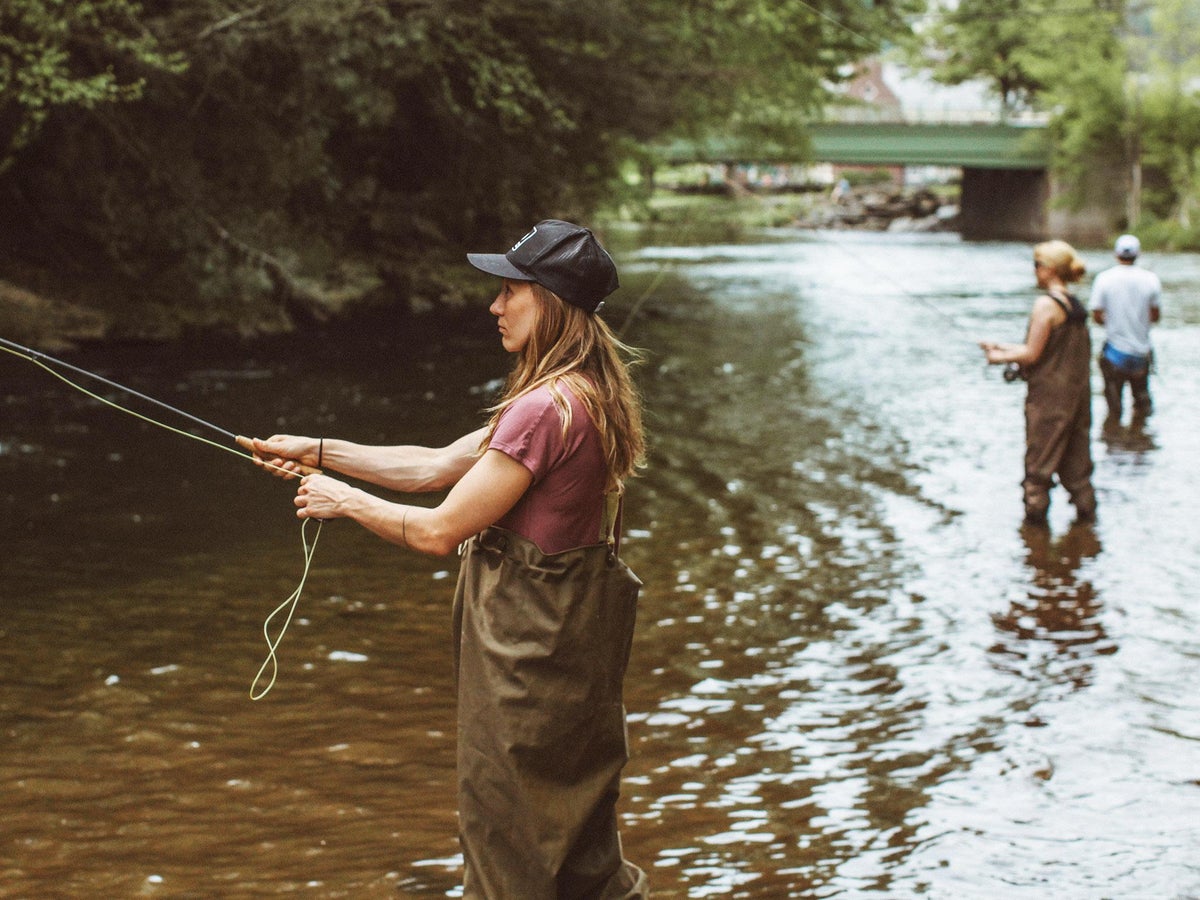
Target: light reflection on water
pixel 854 673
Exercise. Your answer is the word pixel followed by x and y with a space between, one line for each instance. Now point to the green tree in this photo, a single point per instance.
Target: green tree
pixel 1168 110
pixel 1023 48
pixel 306 135
pixel 1083 87
pixel 762 69
pixel 1119 82
pixel 68 53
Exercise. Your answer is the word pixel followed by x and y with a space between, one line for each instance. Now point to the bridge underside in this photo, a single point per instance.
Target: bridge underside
pixel 1003 204
pixel 1005 186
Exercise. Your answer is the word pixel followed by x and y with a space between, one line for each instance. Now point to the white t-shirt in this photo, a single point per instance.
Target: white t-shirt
pixel 1126 294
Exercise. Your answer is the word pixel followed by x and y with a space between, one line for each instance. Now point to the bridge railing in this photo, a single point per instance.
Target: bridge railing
pixel 933 113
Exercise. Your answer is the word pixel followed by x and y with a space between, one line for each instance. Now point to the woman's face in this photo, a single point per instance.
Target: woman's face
pixel 1044 274
pixel 515 308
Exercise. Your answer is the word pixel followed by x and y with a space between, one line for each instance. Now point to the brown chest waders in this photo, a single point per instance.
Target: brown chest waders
pixel 541 646
pixel 1058 418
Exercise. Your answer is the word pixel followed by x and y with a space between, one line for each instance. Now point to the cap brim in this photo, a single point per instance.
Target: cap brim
pixel 496 264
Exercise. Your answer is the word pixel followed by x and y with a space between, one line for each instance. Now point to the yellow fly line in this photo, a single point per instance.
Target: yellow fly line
pixel 309 549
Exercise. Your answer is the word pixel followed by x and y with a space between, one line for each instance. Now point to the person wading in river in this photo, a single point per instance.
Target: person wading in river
pixel 544 609
pixel 1125 300
pixel 1055 360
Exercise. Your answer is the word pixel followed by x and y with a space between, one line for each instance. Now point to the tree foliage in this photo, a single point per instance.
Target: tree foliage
pixel 1119 81
pixel 1022 48
pixel 54 53
pixel 1166 91
pixel 273 141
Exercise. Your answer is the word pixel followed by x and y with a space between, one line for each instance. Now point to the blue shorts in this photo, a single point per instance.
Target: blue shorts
pixel 1129 363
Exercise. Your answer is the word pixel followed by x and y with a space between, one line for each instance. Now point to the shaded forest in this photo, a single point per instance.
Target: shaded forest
pixel 177 165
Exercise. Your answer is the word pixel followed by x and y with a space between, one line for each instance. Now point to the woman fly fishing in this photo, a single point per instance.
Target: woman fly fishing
pixel 1055 360
pixel 544 609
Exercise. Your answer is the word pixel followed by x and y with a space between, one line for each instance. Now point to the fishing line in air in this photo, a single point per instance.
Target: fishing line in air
pixel 37 360
pixel 44 362
pixel 924 301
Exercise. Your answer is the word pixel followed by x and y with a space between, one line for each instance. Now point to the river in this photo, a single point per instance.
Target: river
pixel 854 675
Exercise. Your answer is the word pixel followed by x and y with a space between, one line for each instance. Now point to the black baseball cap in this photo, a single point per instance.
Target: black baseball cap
pixel 567 259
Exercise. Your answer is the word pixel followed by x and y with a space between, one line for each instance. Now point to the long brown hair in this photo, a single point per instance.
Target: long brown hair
pixel 577 348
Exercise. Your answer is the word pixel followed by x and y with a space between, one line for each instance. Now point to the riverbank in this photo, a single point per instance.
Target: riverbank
pixel 246 303
pixel 52 313
pixel 50 323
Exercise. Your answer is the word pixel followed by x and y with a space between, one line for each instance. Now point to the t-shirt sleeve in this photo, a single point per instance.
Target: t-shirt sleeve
pixel 530 431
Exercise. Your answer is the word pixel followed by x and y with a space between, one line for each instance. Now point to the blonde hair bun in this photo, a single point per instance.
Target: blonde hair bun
pixel 1061 258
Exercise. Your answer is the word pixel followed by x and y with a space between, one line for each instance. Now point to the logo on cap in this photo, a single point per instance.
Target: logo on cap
pixel 517 246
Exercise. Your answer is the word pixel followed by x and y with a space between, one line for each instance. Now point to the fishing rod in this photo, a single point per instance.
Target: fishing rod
pixel 46 362
pixel 42 358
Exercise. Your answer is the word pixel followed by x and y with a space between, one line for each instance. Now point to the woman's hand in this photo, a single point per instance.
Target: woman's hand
pixel 284 455
pixel 994 352
pixel 322 497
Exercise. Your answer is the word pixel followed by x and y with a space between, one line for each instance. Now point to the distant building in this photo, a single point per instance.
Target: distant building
pixel 875 90
pixel 866 96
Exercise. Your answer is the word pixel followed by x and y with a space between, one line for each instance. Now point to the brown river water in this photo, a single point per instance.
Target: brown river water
pixel 854 675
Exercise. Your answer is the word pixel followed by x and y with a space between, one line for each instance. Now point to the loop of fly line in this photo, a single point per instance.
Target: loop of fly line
pixel 290 605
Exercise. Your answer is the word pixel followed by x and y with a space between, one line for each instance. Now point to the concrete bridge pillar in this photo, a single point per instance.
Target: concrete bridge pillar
pixel 1003 204
pixel 1101 214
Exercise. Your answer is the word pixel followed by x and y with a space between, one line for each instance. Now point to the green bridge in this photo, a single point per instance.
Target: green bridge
pixel 998 146
pixel 1005 182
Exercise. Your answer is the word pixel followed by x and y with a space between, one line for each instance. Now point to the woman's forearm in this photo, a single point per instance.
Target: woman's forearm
pixel 424 530
pixel 406 468
pixel 1015 353
pixel 489 489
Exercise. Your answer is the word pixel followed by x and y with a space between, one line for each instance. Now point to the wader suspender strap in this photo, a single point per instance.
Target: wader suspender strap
pixel 608 522
pixel 1070 306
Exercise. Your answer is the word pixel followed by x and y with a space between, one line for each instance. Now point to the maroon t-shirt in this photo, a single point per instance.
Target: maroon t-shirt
pixel 564 506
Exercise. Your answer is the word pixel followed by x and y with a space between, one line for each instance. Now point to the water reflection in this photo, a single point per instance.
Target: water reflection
pixel 1055 631
pixel 1130 441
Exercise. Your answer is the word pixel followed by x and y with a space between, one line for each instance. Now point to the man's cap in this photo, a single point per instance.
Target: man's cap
pixel 567 259
pixel 1127 247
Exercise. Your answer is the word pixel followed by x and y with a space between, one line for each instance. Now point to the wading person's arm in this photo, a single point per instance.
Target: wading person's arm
pixel 489 489
pixel 1045 316
pixel 406 468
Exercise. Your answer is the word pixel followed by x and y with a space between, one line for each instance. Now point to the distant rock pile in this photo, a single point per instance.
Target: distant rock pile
pixel 875 210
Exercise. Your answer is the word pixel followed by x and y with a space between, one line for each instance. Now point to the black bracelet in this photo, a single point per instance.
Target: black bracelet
pixel 320 451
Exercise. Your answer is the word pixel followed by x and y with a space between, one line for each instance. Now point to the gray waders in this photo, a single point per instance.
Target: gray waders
pixel 542 643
